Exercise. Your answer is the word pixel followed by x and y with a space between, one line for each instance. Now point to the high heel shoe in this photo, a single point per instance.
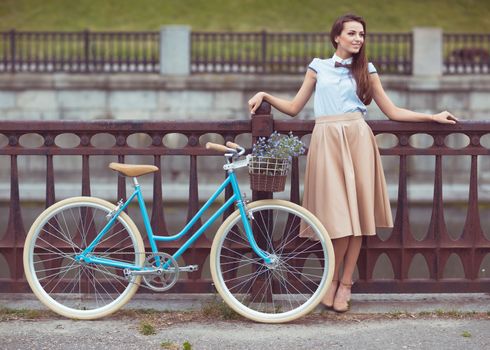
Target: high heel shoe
pixel 330 295
pixel 342 297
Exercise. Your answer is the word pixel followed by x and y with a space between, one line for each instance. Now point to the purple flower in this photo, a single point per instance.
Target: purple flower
pixel 278 146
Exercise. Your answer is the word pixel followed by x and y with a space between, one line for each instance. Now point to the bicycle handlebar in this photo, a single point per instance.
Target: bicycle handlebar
pixel 230 147
pixel 219 148
pixel 233 145
pixel 236 147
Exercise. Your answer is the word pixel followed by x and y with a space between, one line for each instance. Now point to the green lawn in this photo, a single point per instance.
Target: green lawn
pixel 242 15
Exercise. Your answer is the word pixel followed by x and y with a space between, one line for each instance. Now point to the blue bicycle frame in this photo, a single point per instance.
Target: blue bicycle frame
pixel 88 258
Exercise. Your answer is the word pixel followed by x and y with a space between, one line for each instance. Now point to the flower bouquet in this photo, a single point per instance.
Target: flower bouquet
pixel 271 160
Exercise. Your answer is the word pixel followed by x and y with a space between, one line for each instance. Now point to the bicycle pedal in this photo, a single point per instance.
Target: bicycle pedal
pixel 189 268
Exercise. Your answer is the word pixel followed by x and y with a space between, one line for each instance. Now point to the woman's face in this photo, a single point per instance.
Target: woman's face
pixel 350 40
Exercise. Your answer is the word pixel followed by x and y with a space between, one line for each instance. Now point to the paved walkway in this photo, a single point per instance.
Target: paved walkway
pixel 421 321
pixel 361 303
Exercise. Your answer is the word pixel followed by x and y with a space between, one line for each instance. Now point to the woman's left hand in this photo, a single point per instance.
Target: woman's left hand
pixel 444 118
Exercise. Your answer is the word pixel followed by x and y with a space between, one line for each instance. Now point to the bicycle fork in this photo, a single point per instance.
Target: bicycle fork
pixel 247 218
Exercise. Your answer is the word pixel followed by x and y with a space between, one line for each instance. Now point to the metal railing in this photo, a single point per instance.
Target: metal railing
pixel 222 52
pixel 400 247
pixel 290 53
pixel 79 52
pixel 466 53
pixel 232 52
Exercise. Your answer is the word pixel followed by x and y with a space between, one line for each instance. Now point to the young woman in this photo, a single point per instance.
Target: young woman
pixel 344 181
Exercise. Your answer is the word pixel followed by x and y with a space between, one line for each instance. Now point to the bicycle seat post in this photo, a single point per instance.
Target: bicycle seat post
pixel 135 182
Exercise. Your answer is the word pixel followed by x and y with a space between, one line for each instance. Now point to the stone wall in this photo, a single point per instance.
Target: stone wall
pixel 59 96
pixel 219 97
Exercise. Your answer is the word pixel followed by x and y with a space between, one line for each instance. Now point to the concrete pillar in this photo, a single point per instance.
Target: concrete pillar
pixel 427 51
pixel 175 50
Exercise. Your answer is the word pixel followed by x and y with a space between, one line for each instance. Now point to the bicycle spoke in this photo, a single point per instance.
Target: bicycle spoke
pixel 60 279
pixel 81 287
pixel 66 238
pixel 64 272
pixel 243 283
pixel 238 267
pixel 286 286
pixel 304 275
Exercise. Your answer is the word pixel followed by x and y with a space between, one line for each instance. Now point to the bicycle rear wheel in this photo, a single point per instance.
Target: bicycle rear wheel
pixel 72 288
pixel 290 287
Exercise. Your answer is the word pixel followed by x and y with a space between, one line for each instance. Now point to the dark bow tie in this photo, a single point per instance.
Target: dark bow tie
pixel 338 64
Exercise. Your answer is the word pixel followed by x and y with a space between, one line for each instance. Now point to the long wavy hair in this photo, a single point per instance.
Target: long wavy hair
pixel 359 68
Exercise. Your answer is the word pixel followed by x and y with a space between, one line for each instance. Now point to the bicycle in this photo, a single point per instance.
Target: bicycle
pixel 271 260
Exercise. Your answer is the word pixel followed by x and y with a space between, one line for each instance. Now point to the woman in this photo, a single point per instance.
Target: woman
pixel 344 181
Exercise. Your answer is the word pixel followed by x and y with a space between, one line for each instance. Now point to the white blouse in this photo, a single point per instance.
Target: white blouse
pixel 335 89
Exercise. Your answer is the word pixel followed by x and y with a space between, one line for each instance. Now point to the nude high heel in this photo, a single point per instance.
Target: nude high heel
pixel 330 295
pixel 342 297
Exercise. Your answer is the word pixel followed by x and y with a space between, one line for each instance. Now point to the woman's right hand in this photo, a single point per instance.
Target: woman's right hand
pixel 445 118
pixel 255 101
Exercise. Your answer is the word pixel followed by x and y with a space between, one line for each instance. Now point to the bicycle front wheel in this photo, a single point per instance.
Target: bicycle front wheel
pixel 299 276
pixel 71 287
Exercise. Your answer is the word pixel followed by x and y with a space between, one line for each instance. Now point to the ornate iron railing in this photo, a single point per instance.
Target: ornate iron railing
pixel 466 53
pixel 289 53
pixel 226 52
pixel 472 246
pixel 79 52
pixel 222 52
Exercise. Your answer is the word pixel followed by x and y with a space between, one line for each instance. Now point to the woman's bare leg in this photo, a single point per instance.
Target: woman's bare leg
pixel 343 295
pixel 350 259
pixel 340 246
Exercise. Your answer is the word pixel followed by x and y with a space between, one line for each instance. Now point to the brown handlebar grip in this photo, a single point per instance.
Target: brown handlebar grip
pixel 233 145
pixel 217 147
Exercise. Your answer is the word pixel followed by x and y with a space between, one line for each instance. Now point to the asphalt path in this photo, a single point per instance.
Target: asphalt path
pixel 320 334
pixel 382 321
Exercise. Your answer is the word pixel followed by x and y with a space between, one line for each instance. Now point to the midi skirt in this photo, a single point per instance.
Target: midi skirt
pixel 345 186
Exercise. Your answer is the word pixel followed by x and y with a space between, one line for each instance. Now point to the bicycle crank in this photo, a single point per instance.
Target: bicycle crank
pixel 160 272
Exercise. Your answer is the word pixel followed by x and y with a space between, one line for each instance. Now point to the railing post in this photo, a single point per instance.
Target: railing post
pixel 15 227
pixel 264 52
pixel 262 126
pixel 175 50
pixel 86 48
pixel 12 50
pixel 427 51
pixel 262 121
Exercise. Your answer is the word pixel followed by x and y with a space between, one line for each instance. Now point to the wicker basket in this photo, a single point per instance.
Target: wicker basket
pixel 268 174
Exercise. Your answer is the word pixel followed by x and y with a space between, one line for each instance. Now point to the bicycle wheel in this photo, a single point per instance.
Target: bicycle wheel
pixel 288 288
pixel 72 288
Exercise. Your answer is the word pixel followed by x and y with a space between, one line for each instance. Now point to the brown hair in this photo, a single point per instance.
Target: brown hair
pixel 359 68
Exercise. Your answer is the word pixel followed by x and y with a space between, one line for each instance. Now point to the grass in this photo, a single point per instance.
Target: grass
pixel 454 314
pixel 217 308
pixel 215 15
pixel 247 15
pixel 7 314
pixel 169 345
pixel 147 328
pixel 466 334
pixel 397 314
pixel 174 346
pixel 439 312
pixel 149 319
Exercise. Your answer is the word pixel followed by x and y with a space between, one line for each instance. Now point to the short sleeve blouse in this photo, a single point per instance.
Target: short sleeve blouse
pixel 335 89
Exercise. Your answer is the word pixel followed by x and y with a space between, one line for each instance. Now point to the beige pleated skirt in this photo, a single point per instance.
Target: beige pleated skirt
pixel 345 185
